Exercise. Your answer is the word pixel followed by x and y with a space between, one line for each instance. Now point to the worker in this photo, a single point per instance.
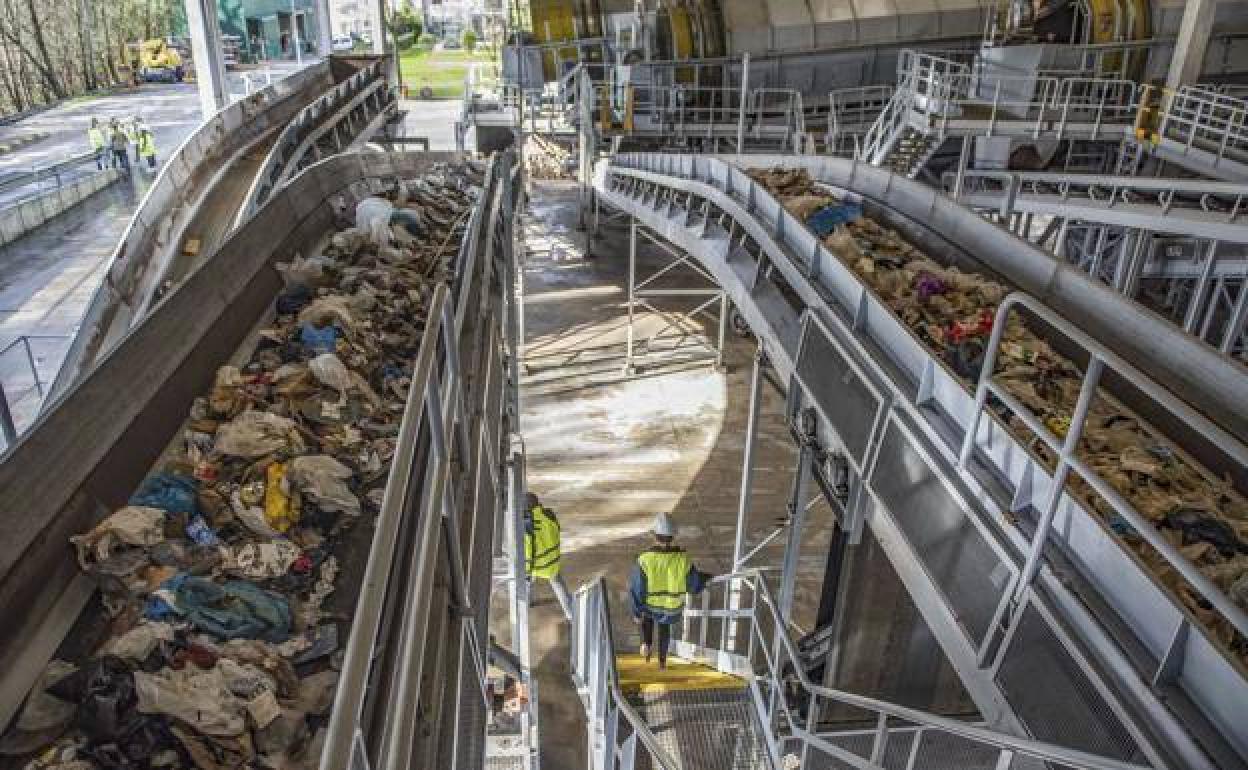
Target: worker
pixel 120 145
pixel 99 143
pixel 661 578
pixel 147 147
pixel 542 557
pixel 132 128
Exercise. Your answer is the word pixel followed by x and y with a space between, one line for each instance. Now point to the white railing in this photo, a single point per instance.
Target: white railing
pixel 937 96
pixel 614 725
pixel 849 109
pixel 1202 119
pixel 789 705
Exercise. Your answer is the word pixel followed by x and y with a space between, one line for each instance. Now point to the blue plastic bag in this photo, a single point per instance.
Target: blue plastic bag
pixel 235 609
pixel 318 339
pixel 199 531
pixel 827 219
pixel 170 492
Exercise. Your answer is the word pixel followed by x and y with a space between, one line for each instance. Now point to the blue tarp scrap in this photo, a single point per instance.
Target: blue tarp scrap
pixel 170 492
pixel 828 218
pixel 235 609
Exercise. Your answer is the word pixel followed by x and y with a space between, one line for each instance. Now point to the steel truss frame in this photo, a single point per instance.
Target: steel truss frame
pixel 645 291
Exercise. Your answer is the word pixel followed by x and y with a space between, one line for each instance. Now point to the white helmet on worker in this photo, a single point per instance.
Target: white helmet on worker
pixel 664 526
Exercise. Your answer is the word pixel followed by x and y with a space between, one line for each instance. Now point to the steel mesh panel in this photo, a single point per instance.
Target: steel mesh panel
pixel 937 751
pixel 841 395
pixel 705 730
pixel 1054 699
pixel 951 549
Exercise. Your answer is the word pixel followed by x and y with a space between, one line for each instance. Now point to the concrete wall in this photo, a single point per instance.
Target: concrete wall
pixel 15 222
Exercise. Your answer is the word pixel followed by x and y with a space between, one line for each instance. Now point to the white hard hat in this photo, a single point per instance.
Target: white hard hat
pixel 663 525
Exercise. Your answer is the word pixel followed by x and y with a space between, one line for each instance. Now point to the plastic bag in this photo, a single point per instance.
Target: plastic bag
pixel 168 491
pixel 130 526
pixel 330 371
pixel 255 434
pixel 198 697
pixel 322 479
pixel 260 560
pixel 318 339
pixel 280 510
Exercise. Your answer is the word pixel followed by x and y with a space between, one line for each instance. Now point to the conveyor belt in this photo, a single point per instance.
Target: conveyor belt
pixel 409 693
pixel 1072 632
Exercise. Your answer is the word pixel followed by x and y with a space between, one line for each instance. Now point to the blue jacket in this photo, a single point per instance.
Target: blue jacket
pixel 694 584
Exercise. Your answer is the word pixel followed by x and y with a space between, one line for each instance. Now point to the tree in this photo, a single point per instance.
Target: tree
pixel 468 39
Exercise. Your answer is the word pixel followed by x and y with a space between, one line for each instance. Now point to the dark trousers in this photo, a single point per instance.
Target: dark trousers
pixel 665 636
pixel 121 160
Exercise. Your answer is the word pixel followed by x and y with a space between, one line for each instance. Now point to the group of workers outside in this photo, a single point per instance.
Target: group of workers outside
pixel 662 575
pixel 113 143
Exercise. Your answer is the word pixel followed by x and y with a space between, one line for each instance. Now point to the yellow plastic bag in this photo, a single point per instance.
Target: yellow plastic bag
pixel 279 510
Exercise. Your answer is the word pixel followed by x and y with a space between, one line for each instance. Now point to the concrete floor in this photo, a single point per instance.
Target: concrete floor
pixel 48 277
pixel 434 120
pixel 608 451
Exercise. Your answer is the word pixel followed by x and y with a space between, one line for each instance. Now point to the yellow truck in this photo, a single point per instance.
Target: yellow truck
pixel 159 62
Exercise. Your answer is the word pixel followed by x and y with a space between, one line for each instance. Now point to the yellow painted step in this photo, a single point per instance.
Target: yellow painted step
pixel 638 676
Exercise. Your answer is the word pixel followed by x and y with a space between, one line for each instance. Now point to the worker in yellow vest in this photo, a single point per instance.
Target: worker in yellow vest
pixel 542 556
pixel 147 148
pixel 661 578
pixel 99 143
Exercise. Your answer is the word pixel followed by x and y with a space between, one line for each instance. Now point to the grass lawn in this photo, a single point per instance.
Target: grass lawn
pixel 442 71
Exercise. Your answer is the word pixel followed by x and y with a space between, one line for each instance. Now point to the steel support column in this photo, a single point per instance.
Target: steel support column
pixel 1189 48
pixel 797 523
pixel 324 32
pixel 747 483
pixel 201 20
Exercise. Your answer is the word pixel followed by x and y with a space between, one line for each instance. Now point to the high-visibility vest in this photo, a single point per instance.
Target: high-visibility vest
pixel 667 578
pixel 147 146
pixel 541 544
pixel 96 137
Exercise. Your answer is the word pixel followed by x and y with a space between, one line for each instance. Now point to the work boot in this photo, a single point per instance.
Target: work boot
pixel 645 651
pixel 662 664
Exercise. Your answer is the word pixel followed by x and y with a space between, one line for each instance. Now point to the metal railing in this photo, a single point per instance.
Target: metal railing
pixel 1067 460
pixel 1201 119
pixel 333 114
pixel 46 178
pixel 851 112
pixel 940 97
pixel 15 390
pixel 390 654
pixel 790 707
pixel 615 727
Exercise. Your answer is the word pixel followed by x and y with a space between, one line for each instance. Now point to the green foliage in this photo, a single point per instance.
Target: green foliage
pixel 427 40
pixel 469 40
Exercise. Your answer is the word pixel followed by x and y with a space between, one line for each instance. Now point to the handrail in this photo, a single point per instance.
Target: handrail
pixel 783 646
pixel 37 175
pixel 313 121
pixel 1100 357
pixel 593 669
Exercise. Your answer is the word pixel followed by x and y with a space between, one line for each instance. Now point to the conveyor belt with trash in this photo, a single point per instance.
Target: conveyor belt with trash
pixel 259 532
pixel 875 298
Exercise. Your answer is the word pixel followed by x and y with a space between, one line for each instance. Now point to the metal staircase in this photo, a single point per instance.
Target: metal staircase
pixel 912 152
pixel 1038 629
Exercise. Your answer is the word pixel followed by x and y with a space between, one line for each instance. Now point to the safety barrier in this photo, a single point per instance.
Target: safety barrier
pixel 615 727
pixel 444 499
pixel 789 706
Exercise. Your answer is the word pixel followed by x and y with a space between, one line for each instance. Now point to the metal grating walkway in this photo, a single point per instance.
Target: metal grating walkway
pixel 705 729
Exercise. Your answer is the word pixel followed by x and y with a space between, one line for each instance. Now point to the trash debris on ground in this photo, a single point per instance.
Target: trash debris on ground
pixel 220 651
pixel 953 313
pixel 546 159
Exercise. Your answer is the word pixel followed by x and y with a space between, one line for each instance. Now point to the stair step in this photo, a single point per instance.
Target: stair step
pixel 638 676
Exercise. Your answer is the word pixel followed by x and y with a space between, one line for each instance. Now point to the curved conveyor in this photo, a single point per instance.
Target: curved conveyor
pixel 1096 653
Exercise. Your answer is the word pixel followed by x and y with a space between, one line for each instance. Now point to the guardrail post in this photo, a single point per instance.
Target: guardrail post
pixel 747 485
pixel 745 89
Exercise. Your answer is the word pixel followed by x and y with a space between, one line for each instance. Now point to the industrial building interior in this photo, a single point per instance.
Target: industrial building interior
pixel 924 321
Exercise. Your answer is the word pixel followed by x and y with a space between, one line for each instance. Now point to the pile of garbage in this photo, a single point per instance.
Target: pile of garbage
pixel 219 648
pixel 953 313
pixel 546 159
